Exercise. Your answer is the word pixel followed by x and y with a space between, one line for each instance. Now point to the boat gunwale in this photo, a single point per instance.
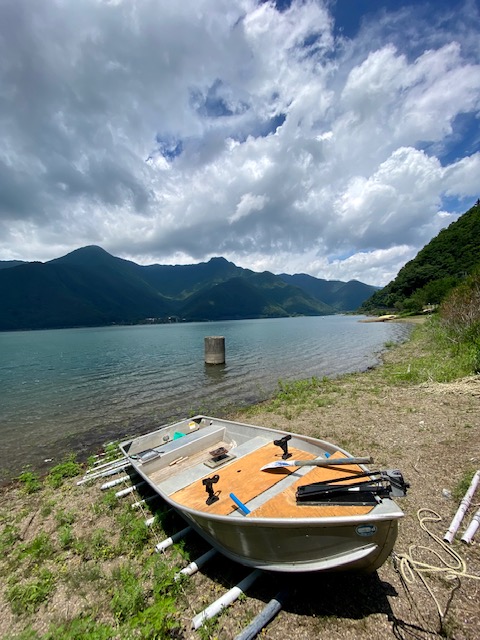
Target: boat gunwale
pixel 224 421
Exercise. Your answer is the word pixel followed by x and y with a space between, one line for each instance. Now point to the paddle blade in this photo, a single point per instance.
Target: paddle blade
pixel 276 465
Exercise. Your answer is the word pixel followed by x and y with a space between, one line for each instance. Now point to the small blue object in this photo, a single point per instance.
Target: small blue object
pixel 240 504
pixel 327 455
pixel 177 435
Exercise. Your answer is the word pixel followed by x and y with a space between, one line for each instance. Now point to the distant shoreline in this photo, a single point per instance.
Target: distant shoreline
pixel 395 318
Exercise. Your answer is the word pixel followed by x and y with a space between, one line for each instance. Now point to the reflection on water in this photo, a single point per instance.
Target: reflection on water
pixel 74 389
pixel 216 372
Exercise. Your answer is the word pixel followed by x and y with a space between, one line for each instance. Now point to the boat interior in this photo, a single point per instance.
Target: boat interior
pixel 210 466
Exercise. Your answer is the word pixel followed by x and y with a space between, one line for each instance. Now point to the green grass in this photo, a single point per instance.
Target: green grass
pixel 81 629
pixel 80 578
pixel 66 537
pixel 129 595
pixel 295 396
pixel 65 517
pixel 134 532
pixel 9 535
pixel 463 485
pixel 67 469
pixel 435 357
pixel 30 481
pixel 39 549
pixel 147 601
pixel 26 597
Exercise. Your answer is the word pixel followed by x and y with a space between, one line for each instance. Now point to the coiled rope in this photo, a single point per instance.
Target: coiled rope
pixel 410 568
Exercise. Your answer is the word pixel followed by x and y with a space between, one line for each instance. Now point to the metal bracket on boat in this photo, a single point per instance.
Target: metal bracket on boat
pixel 147 455
pixel 398 485
pixel 219 457
pixel 208 484
pixel 283 444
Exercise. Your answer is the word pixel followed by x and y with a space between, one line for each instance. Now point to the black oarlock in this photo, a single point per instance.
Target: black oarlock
pixel 208 484
pixel 283 444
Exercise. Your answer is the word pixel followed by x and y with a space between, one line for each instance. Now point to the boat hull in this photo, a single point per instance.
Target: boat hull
pixel 300 547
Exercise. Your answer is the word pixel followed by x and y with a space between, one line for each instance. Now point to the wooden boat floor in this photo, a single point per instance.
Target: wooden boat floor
pixel 285 503
pixel 244 479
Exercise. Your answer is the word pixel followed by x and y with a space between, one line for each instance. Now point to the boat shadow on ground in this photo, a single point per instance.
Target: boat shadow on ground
pixel 353 596
pixel 324 597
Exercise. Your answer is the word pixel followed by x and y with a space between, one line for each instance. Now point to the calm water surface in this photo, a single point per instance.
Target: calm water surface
pixel 74 389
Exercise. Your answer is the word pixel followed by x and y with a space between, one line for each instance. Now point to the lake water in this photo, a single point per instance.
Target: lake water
pixel 75 389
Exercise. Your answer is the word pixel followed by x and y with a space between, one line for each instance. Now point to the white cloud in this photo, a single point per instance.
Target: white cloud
pixel 462 177
pixel 248 203
pixel 171 132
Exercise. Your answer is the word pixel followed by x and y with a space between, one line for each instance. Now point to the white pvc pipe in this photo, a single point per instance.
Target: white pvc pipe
pixel 161 546
pixel 110 471
pixel 225 600
pixel 106 464
pixel 140 503
pixel 197 564
pixel 114 470
pixel 464 504
pixel 106 472
pixel 472 528
pixel 125 492
pixel 113 483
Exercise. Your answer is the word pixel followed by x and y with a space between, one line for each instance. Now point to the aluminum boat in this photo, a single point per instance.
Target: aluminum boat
pixel 271 499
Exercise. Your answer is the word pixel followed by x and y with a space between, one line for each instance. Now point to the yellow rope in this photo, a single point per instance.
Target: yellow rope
pixel 410 568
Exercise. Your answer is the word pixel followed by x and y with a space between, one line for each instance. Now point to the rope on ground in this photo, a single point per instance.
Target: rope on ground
pixel 411 568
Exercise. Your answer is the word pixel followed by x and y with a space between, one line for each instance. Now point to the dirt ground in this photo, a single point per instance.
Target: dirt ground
pixel 431 432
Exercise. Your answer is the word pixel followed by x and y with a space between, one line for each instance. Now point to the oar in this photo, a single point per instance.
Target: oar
pixel 318 462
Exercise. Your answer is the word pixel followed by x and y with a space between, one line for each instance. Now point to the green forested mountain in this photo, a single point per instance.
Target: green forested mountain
pixel 59 294
pixel 341 296
pixel 7 264
pixel 181 281
pixel 90 287
pixel 441 265
pixel 255 296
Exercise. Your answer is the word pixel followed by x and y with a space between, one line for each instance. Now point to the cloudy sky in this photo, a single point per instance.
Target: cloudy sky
pixel 334 138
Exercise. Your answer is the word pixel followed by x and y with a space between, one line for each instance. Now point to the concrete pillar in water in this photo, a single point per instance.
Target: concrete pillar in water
pixel 214 350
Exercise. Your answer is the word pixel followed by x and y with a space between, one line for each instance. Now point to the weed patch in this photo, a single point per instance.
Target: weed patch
pixel 81 629
pixel 27 597
pixel 463 485
pixel 128 595
pixel 30 481
pixel 39 549
pixel 67 469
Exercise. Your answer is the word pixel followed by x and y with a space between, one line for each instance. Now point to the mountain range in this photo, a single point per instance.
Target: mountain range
pixel 90 287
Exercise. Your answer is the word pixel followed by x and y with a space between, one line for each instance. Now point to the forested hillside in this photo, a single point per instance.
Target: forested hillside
pixel 440 266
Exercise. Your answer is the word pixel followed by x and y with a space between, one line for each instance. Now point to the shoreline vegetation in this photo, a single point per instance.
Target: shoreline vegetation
pixel 80 563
